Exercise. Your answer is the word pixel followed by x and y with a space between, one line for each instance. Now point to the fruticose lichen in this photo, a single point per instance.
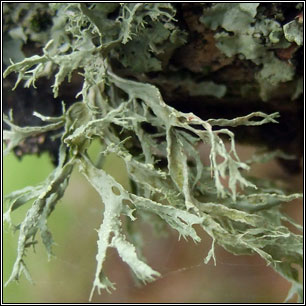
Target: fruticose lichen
pixel 111 108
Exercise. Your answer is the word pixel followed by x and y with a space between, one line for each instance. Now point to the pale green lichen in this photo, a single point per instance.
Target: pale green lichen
pixel 293 32
pixel 244 31
pixel 182 194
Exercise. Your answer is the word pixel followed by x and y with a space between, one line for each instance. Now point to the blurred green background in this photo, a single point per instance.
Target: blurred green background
pixel 68 277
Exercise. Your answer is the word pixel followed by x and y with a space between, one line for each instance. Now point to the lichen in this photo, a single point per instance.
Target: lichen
pixel 242 30
pixel 86 38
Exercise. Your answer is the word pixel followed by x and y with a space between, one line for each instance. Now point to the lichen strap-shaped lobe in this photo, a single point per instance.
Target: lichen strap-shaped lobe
pixel 182 194
pixel 111 232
